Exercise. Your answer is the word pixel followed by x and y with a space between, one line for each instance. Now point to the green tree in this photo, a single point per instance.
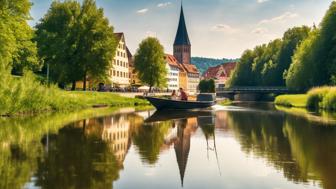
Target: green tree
pixel 315 60
pixel 76 41
pixel 207 86
pixel 291 40
pixel 150 63
pixel 266 64
pixel 301 72
pixel 242 75
pixel 17 49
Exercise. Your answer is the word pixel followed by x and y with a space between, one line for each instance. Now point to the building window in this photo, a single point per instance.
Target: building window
pixel 114 73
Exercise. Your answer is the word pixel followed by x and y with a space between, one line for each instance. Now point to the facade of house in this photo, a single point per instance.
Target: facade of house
pixel 220 73
pixel 119 73
pixel 116 133
pixel 173 69
pixel 189 80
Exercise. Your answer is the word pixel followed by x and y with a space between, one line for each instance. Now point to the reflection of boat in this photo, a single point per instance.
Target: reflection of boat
pixel 160 104
pixel 165 115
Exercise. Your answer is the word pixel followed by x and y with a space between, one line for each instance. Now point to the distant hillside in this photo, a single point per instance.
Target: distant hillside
pixel 204 63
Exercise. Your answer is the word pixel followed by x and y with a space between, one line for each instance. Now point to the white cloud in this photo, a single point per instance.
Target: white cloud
pixel 162 5
pixel 262 1
pixel 260 31
pixel 223 28
pixel 142 11
pixel 281 18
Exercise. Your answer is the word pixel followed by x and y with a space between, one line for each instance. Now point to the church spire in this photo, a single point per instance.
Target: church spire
pixel 182 37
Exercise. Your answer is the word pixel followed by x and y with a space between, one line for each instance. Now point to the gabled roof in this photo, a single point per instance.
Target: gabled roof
pixel 182 37
pixel 130 57
pixel 119 35
pixel 223 70
pixel 190 68
pixel 129 54
pixel 172 61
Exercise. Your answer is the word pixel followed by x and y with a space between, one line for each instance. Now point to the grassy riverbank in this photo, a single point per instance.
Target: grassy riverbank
pixel 299 101
pixel 26 95
pixel 317 98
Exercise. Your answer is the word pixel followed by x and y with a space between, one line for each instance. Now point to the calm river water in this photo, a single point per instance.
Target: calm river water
pixel 239 147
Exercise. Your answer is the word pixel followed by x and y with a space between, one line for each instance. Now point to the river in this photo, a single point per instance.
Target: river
pixel 237 147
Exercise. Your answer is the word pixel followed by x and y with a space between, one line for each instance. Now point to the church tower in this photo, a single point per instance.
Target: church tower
pixel 182 46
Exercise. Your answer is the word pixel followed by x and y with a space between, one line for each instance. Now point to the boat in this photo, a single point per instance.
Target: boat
pixel 167 104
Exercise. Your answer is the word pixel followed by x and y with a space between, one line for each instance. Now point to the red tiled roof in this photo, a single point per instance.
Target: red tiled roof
pixel 172 61
pixel 190 68
pixel 223 70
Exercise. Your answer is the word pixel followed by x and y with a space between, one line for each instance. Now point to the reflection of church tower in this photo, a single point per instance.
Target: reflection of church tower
pixel 182 145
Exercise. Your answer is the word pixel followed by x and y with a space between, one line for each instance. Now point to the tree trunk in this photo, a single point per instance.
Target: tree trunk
pixel 84 82
pixel 73 87
pixel 150 89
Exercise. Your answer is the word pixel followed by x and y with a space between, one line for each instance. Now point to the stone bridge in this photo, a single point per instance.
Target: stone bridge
pixel 253 93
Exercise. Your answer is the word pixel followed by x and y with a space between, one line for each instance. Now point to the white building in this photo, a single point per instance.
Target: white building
pixel 119 73
pixel 173 69
pixel 116 133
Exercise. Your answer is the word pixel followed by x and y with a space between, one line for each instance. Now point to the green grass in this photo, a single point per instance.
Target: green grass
pixel 299 101
pixel 317 98
pixel 225 102
pixel 26 95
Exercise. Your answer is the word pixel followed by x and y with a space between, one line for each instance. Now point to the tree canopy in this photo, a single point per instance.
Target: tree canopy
pixel 207 86
pixel 266 64
pixel 150 63
pixel 76 41
pixel 17 49
pixel 314 63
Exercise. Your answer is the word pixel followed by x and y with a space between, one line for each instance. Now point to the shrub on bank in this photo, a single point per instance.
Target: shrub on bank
pixel 22 94
pixel 322 98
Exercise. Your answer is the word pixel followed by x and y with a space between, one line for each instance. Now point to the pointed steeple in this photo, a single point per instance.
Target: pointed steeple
pixel 182 37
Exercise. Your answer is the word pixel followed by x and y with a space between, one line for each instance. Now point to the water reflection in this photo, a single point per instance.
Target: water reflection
pixel 198 149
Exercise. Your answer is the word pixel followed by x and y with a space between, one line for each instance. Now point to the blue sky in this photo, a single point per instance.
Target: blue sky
pixel 217 28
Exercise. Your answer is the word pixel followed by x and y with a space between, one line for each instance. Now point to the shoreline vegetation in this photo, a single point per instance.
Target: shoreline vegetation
pixel 321 98
pixel 26 95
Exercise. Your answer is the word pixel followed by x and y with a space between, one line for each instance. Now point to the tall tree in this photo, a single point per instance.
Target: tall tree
pixel 266 64
pixel 17 49
pixel 242 75
pixel 76 41
pixel 150 63
pixel 315 60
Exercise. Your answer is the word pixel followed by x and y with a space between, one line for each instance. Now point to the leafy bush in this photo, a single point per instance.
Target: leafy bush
pixel 207 86
pixel 322 98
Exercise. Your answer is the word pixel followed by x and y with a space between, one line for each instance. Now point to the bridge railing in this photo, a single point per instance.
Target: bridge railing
pixel 254 89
